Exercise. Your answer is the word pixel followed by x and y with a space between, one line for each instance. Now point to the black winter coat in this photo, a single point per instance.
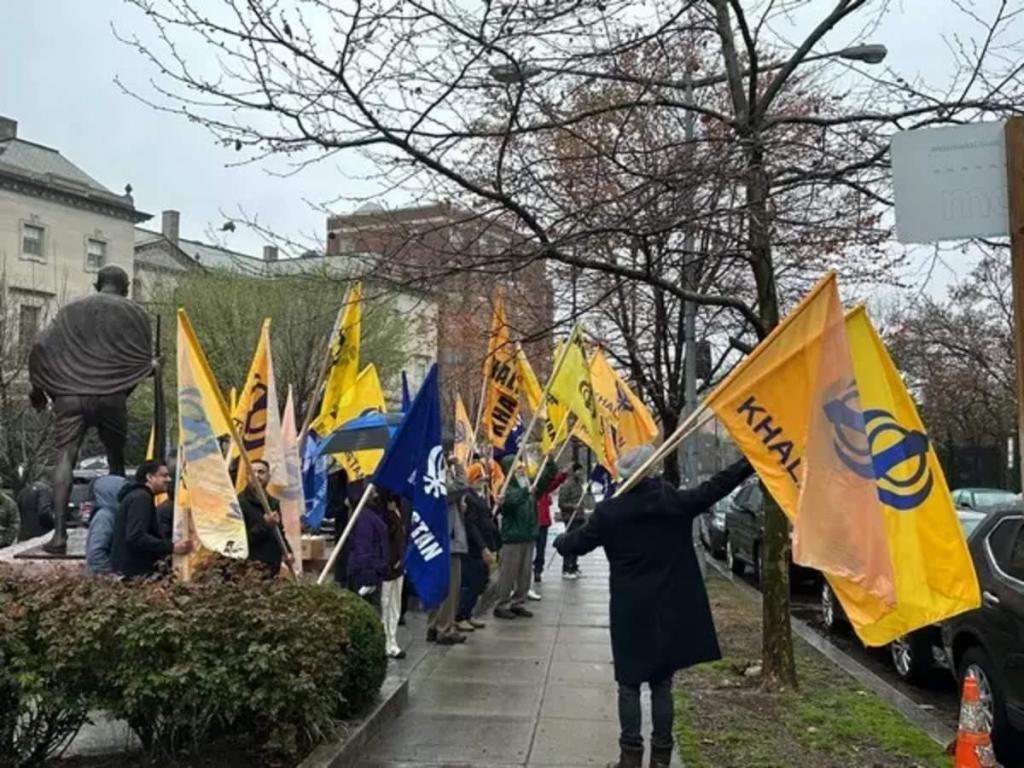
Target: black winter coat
pixel 660 616
pixel 138 545
pixel 263 545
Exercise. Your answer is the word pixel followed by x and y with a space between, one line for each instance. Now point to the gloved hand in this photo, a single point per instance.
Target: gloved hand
pixel 367 590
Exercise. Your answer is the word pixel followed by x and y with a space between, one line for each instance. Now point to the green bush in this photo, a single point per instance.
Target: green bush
pixel 266 666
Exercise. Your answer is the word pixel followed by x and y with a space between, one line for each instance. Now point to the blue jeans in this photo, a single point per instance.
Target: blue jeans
pixel 474 579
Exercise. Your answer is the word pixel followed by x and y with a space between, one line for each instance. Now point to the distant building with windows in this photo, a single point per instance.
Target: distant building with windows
pixel 58 226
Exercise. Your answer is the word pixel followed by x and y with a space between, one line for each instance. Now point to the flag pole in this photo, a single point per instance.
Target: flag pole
pixel 236 437
pixel 533 422
pixel 345 533
pixel 325 366
pixel 690 425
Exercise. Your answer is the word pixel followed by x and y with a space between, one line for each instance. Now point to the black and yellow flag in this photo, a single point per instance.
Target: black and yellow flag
pixel 501 372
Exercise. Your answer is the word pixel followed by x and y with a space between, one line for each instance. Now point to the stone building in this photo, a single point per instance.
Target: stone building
pixel 58 226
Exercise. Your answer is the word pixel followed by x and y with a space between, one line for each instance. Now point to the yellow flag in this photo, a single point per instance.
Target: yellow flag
pixel 257 420
pixel 528 383
pixel 501 372
pixel 934 573
pixel 603 378
pixel 344 355
pixel 233 400
pixel 556 422
pixel 205 501
pixel 571 386
pixel 463 433
pixel 636 425
pixel 292 499
pixel 771 404
pixel 364 398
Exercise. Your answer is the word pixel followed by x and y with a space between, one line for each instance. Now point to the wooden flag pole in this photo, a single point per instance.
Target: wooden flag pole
pixel 533 422
pixel 345 534
pixel 690 425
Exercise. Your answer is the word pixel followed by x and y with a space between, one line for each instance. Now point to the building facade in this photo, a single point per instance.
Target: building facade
pixel 58 227
pixel 459 257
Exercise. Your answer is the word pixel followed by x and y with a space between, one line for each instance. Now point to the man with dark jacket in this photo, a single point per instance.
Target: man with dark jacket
pixel 476 565
pixel 660 615
pixel 264 546
pixel 391 589
pixel 138 546
pixel 570 512
pixel 518 534
pixel 35 507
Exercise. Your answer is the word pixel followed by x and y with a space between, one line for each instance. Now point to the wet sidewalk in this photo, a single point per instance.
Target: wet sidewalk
pixel 534 692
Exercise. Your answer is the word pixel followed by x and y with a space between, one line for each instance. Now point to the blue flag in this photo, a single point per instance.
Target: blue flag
pixel 511 446
pixel 601 475
pixel 406 398
pixel 413 466
pixel 314 481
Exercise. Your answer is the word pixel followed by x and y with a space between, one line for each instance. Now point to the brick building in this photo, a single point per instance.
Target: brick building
pixel 459 257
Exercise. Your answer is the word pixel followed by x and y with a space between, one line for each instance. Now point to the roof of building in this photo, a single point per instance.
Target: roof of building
pixel 29 165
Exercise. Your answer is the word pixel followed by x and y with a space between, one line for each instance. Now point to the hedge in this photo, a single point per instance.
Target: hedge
pixel 264 666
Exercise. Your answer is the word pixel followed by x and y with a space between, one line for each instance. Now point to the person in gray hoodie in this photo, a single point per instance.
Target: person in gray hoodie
pixel 441 620
pixel 100 540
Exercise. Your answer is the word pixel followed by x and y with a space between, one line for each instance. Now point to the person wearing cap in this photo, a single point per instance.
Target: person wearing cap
pixel 660 616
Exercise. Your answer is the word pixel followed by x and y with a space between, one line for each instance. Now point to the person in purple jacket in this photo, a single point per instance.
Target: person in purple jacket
pixel 368 555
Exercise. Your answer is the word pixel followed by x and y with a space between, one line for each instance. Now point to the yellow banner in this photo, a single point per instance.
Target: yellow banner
pixel 770 405
pixel 501 371
pixel 257 420
pixel 528 383
pixel 205 501
pixel 571 386
pixel 344 355
pixel 463 433
pixel 364 398
pixel 292 500
pixel 556 422
pixel 934 573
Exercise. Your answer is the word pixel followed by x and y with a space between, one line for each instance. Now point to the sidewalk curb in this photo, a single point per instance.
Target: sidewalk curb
pixel 936 730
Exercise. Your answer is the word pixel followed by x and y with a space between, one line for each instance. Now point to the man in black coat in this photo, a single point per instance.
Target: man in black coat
pixel 660 615
pixel 138 545
pixel 259 527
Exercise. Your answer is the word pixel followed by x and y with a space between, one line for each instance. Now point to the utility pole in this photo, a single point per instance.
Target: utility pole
pixel 1015 199
pixel 689 307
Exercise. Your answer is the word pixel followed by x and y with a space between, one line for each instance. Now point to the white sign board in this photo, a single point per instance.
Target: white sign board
pixel 950 183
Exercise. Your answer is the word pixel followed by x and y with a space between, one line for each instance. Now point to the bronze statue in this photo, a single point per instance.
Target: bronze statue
pixel 88 360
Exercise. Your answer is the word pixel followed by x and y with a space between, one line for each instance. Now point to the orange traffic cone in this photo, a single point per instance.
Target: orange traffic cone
pixel 973 742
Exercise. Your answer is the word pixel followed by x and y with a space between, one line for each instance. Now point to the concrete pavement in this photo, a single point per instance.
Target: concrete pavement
pixel 525 692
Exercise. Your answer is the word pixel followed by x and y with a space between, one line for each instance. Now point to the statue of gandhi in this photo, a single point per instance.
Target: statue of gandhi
pixel 88 360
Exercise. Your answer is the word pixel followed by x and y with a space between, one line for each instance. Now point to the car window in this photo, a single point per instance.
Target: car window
pixel 993 498
pixel 1006 541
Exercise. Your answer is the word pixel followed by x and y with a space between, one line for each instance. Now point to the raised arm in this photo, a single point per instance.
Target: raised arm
pixel 582 540
pixel 694 501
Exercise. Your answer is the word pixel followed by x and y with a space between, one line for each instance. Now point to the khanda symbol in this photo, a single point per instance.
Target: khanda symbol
pixel 588 397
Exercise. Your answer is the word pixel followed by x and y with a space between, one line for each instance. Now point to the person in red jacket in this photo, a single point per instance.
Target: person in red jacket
pixel 544 521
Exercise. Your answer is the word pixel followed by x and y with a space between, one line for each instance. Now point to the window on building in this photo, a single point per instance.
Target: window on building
pixel 32 240
pixel 95 254
pixel 28 327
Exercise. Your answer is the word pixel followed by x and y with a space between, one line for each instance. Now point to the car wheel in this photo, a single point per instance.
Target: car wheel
pixel 829 607
pixel 734 563
pixel 977 664
pixel 910 658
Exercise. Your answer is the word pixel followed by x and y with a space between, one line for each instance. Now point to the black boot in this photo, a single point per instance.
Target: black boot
pixel 661 757
pixel 629 757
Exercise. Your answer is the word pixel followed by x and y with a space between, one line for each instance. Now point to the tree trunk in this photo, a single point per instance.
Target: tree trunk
pixel 670 466
pixel 777 638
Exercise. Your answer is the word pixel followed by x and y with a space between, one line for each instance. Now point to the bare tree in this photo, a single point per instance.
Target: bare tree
pixel 452 98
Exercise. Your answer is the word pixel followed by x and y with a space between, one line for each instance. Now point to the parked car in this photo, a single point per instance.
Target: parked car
pixel 744 534
pixel 918 654
pixel 712 526
pixel 988 643
pixel 984 499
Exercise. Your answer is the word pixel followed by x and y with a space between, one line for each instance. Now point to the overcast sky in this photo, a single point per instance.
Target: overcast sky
pixel 61 59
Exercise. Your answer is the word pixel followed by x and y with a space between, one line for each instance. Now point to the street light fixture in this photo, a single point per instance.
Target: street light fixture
pixel 869 54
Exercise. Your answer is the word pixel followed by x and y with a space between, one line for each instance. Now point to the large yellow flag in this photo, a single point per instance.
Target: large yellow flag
pixel 293 503
pixel 463 433
pixel 528 383
pixel 636 425
pixel 257 419
pixel 934 573
pixel 769 404
pixel 501 373
pixel 364 398
pixel 205 502
pixel 343 352
pixel 556 417
pixel 571 386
